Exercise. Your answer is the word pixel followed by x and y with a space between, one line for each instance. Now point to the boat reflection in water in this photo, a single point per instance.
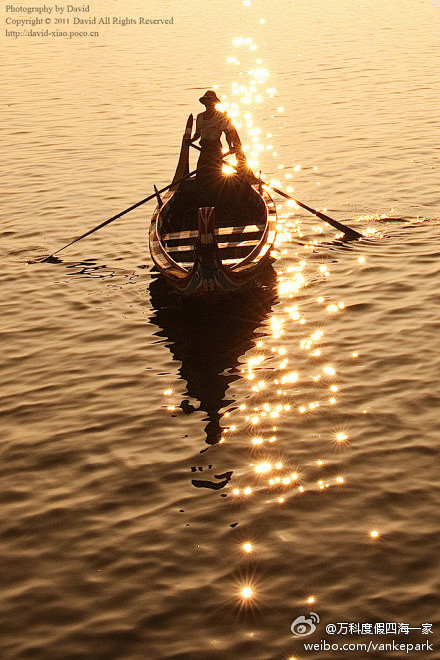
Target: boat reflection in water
pixel 209 341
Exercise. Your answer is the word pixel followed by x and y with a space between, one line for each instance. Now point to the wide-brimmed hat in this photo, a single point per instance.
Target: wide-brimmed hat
pixel 209 96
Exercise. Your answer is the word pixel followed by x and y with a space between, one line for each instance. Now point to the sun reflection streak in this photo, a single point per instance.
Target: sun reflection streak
pixel 290 383
pixel 248 93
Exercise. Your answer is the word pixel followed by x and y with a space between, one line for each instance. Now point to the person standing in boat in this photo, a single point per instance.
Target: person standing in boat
pixel 209 128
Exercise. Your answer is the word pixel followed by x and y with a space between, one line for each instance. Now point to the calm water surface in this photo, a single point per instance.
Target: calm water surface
pixel 142 446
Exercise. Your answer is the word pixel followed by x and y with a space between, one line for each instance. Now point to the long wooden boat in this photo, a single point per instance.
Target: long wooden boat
pixel 206 244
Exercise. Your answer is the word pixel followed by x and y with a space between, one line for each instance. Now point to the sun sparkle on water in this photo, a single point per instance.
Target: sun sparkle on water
pixel 285 383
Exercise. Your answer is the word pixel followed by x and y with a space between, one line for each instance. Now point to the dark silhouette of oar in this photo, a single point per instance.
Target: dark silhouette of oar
pixel 349 234
pixel 119 215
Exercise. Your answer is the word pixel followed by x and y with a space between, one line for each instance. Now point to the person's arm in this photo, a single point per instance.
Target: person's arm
pixel 230 140
pixel 242 167
pixel 235 145
pixel 230 132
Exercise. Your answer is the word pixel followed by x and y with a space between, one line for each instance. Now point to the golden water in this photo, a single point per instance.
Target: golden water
pixel 119 540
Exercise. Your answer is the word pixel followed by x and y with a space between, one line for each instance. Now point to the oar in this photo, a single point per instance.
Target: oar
pixel 349 234
pixel 119 215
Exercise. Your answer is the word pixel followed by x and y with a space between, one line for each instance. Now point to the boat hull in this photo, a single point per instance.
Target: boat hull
pixel 210 241
pixel 224 275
